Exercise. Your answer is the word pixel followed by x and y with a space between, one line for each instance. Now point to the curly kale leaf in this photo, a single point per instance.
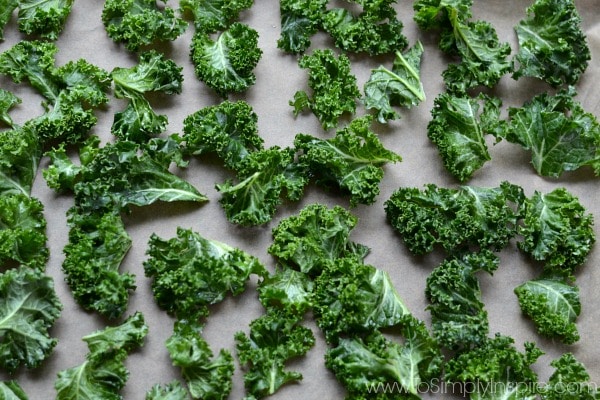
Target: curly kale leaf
pixel 43 17
pixel 435 14
pixel 28 308
pixel 211 16
pixel 470 217
pixel 570 380
pixel 334 87
pixel 229 129
pixel 287 289
pixel 557 229
pixel 458 128
pixel 354 298
pixel 226 64
pixel 496 370
pixel 315 235
pixel 11 390
pixel 153 73
pixel 274 338
pixel 171 391
pixel 23 231
pixel 375 30
pixel 103 374
pixel 365 364
pixel 6 11
pixel 553 305
pixel 207 377
pixel 483 59
pixel 97 246
pixel 300 20
pixel 263 178
pixel 71 91
pixel 352 161
pixel 7 101
pixel 560 134
pixel 191 272
pixel 137 23
pixel 20 153
pixel 458 314
pixel 552 45
pixel 400 86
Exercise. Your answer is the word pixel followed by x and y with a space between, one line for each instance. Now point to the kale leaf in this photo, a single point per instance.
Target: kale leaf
pixel 7 101
pixel 300 20
pixel 570 380
pixel 11 390
pixel 211 16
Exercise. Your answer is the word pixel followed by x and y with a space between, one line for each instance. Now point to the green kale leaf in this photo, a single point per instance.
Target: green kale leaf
pixel 274 338
pixel 137 23
pixel 11 390
pixel 334 87
pixel 458 315
pixel 316 235
pixel 207 378
pixel 300 20
pixel 226 64
pixel 466 218
pixel 352 161
pixel 375 30
pixel 7 7
pixel 435 14
pixel 45 18
pixel 552 45
pixel 553 305
pixel 28 308
pixel 171 391
pixel 229 130
pixel 400 86
pixel 263 178
pixel 560 134
pixel 7 101
pixel 190 272
pixel 103 373
pixel 211 16
pixel 496 370
pixel 355 298
pixel 557 230
pixel 287 289
pixel 570 380
pixel 458 128
pixel 20 154
pixel 153 73
pixel 365 364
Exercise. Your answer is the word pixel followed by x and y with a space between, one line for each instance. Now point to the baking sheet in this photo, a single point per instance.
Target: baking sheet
pixel 278 78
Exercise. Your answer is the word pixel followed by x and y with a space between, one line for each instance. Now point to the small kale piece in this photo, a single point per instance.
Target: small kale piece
pixel 458 316
pixel 352 161
pixel 375 30
pixel 560 134
pixel 211 16
pixel 570 380
pixel 229 129
pixel 171 391
pixel 552 45
pixel 300 20
pixel 287 289
pixel 207 377
pixel 458 128
pixel 103 373
pixel 97 246
pixel 334 87
pixel 6 11
pixel 20 154
pixel 29 306
pixel 315 235
pixel 355 298
pixel 467 218
pixel 7 101
pixel 226 64
pixel 496 370
pixel 274 338
pixel 557 230
pixel 153 73
pixel 71 91
pixel 264 178
pixel 137 23
pixel 400 86
pixel 435 14
pixel 11 390
pixel 191 272
pixel 553 304
pixel 366 364
pixel 45 18
pixel 23 231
